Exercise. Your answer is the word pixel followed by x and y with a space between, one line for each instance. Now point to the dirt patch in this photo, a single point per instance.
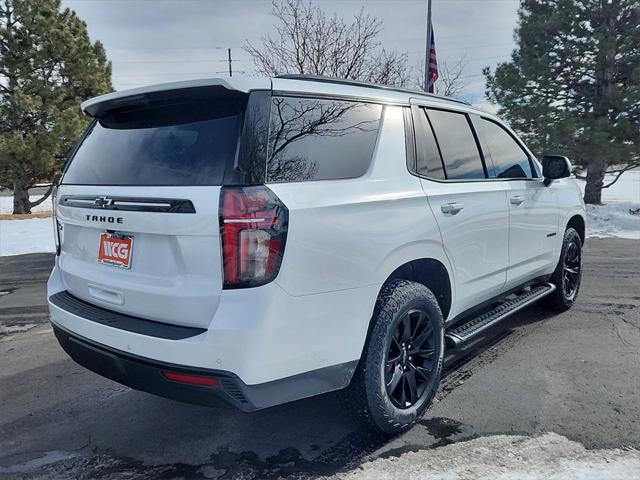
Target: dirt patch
pixel 24 216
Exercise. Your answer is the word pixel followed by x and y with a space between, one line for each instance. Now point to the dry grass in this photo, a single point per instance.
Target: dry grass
pixel 25 216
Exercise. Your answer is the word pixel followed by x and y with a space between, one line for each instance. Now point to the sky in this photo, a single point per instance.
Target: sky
pixel 155 41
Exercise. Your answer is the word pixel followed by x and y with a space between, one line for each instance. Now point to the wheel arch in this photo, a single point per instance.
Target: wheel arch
pixel 578 223
pixel 432 274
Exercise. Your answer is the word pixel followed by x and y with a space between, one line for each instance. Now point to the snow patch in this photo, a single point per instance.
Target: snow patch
pixel 502 457
pixel 8 329
pixel 26 236
pixel 621 220
pixel 6 204
pixel 47 459
pixel 616 218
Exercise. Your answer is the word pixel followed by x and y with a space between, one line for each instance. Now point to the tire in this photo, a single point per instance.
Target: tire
pixel 569 265
pixel 388 360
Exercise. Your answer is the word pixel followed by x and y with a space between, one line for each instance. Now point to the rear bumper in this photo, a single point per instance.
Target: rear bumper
pixel 147 375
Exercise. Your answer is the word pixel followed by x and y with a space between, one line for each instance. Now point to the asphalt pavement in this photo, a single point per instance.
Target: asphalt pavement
pixel 575 374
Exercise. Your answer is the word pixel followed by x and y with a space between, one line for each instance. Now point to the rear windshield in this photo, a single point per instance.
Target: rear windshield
pixel 175 143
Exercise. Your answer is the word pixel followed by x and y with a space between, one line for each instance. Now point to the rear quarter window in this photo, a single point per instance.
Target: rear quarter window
pixel 429 162
pixel 320 139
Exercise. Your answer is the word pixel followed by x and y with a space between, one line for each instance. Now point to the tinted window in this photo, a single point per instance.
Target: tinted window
pixel 429 162
pixel 509 160
pixel 176 143
pixel 457 145
pixel 312 139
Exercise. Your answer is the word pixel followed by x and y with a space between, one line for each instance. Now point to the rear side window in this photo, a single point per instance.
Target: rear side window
pixel 178 142
pixel 509 159
pixel 429 162
pixel 318 139
pixel 457 145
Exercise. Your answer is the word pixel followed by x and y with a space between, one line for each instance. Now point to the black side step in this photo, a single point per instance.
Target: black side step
pixel 463 332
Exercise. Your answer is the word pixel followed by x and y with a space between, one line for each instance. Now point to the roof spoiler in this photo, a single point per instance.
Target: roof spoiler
pixel 96 106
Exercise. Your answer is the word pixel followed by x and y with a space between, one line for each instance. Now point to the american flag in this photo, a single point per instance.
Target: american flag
pixel 432 74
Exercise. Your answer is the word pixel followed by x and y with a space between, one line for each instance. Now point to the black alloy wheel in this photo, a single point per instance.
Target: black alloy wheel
pixel 410 359
pixel 571 269
pixel 567 275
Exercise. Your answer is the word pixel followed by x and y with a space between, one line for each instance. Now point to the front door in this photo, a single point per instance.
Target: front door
pixel 532 206
pixel 533 231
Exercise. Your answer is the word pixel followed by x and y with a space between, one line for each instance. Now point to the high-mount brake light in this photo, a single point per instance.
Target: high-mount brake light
pixel 253 223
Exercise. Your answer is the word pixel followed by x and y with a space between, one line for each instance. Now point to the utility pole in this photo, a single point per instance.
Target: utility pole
pixel 230 69
pixel 427 57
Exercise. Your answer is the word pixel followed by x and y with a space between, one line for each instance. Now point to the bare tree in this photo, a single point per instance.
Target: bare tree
pixel 308 41
pixel 451 81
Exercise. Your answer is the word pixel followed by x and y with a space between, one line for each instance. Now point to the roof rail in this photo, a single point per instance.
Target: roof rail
pixel 358 83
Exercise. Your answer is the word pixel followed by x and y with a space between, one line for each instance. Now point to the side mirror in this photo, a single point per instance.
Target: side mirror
pixel 554 167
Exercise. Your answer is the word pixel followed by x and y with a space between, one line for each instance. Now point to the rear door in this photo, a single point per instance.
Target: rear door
pixel 532 205
pixel 138 205
pixel 471 211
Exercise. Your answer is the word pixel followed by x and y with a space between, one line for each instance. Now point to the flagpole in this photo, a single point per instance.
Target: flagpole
pixel 428 48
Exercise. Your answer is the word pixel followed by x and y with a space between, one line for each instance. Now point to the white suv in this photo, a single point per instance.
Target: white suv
pixel 257 241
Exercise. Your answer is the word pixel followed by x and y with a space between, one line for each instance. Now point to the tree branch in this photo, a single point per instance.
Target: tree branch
pixel 308 41
pixel 45 195
pixel 620 172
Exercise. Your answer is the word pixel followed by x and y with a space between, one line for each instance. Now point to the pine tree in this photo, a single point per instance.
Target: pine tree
pixel 48 66
pixel 572 86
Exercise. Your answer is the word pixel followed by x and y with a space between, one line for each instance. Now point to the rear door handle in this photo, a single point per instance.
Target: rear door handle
pixel 517 200
pixel 451 208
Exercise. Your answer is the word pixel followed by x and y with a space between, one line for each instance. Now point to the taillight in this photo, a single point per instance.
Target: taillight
pixel 56 225
pixel 253 223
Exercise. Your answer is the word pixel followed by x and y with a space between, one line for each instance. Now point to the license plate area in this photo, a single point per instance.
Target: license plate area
pixel 115 249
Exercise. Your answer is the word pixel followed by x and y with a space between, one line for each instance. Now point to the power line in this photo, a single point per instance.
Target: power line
pixel 229 60
pixel 177 61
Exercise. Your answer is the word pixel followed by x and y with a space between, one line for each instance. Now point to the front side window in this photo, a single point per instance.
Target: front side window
pixel 457 144
pixel 509 159
pixel 320 139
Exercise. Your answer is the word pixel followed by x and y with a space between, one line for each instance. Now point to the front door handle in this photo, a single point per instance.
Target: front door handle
pixel 451 208
pixel 517 200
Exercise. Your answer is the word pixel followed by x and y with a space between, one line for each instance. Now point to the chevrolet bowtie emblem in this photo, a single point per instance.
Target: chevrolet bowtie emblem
pixel 103 202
